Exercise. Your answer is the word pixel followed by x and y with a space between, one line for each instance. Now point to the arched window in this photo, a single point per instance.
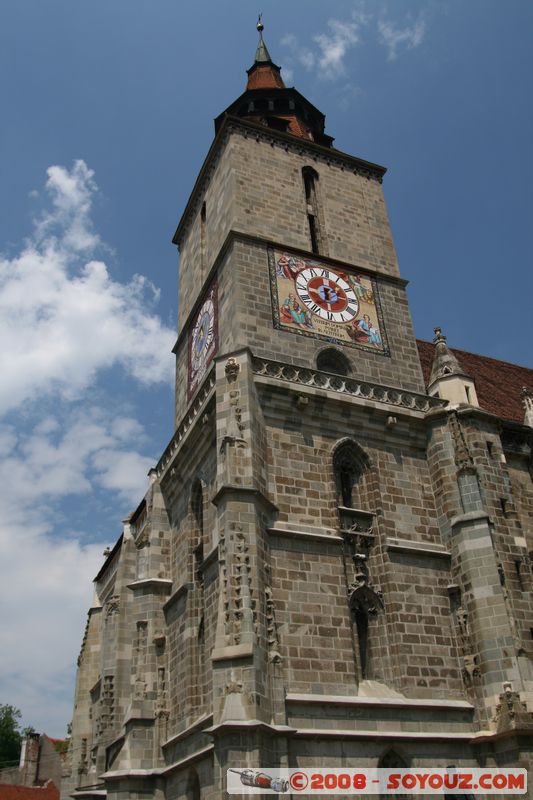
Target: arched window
pixel 350 463
pixel 193 786
pixel 332 360
pixel 197 508
pixel 310 179
pixel 391 760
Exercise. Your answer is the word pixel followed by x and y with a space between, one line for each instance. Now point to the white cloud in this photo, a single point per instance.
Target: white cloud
pixel 62 317
pixel 327 58
pixel 334 45
pixel 394 37
pixel 64 321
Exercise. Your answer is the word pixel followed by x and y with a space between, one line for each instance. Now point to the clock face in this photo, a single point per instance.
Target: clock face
pixel 203 334
pixel 327 294
pixel 328 302
pixel 203 340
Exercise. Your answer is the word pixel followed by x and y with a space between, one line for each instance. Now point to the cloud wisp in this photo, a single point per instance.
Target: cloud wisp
pixel 66 327
pixel 394 37
pixel 326 57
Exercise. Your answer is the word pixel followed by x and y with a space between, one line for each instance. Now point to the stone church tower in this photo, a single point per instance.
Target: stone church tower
pixel 331 564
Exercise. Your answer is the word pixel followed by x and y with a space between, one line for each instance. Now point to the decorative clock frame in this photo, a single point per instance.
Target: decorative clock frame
pixel 338 305
pixel 202 343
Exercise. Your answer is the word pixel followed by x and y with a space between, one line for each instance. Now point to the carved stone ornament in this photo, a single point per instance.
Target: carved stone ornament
pixel 232 370
pixel 362 597
pixel 511 712
pixel 112 605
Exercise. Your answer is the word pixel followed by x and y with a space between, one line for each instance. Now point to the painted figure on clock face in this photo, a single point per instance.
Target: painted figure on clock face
pixel 292 311
pixel 326 302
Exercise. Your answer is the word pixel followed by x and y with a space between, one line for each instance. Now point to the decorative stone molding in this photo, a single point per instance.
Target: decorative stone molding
pixel 196 408
pixel 364 390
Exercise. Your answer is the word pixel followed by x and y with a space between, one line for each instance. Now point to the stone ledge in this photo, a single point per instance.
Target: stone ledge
pixel 181 591
pixel 157 771
pixel 308 536
pixel 146 583
pixel 383 702
pixel 335 733
pixel 194 727
pixel 232 652
pixel 470 517
pixel 251 724
pixel 253 491
pixel 417 548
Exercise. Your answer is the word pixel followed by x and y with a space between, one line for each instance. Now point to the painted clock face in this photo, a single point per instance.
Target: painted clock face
pixel 203 339
pixel 327 302
pixel 203 335
pixel 327 294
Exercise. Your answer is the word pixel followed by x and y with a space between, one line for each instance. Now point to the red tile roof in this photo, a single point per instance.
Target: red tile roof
pixel 46 792
pixel 498 383
pixel 264 76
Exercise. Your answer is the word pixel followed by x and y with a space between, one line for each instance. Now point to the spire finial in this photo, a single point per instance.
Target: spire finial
pixel 262 56
pixel 438 335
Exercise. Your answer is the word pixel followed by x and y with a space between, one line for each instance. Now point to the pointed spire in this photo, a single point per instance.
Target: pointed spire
pixel 262 55
pixel 444 362
pixel 448 379
pixel 263 74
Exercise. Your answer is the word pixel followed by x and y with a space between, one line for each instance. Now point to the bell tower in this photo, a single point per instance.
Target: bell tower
pixel 328 568
pixel 299 408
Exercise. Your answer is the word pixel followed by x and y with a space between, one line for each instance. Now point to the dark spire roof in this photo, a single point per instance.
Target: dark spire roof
pixel 444 362
pixel 262 55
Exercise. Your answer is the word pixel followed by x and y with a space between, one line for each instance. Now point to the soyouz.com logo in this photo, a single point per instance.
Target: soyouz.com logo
pixel 454 781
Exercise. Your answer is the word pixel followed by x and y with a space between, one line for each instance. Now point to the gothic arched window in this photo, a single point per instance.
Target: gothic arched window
pixel 391 760
pixel 193 786
pixel 332 360
pixel 197 508
pixel 350 463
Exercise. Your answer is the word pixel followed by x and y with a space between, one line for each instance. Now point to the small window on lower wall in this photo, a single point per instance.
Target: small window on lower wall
pixel 332 360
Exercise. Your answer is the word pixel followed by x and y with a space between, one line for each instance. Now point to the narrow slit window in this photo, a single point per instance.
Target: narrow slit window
pixel 310 178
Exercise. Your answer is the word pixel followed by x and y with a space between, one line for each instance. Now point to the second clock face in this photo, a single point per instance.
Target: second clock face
pixel 203 334
pixel 203 339
pixel 326 294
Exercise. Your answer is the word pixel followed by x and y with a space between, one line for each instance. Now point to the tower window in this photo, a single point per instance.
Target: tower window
pixel 349 465
pixel 332 360
pixel 203 227
pixel 310 178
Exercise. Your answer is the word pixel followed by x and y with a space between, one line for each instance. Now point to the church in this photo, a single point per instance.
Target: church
pixel 332 563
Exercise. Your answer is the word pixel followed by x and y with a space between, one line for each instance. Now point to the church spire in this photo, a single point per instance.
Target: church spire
pixel 263 74
pixel 267 101
pixel 261 54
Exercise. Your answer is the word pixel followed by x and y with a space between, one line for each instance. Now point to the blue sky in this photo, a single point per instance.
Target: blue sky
pixel 107 116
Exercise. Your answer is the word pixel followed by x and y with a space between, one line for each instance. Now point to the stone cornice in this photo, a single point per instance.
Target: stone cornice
pixel 380 702
pixel 289 142
pixel 402 400
pixel 425 549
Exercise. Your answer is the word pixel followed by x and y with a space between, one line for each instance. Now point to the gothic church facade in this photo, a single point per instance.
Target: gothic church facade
pixel 331 564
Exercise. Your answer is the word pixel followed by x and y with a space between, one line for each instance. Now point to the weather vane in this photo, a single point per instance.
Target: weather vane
pixel 260 27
